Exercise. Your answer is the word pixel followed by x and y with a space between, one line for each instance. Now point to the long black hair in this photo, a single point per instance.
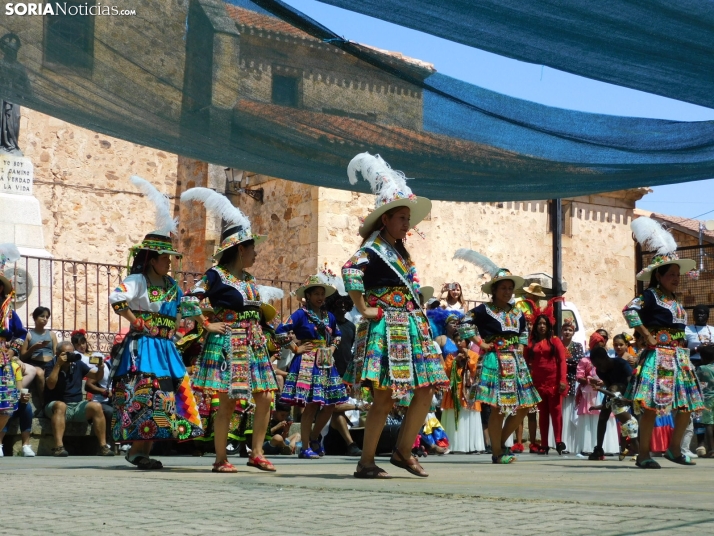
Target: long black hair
pixel 661 271
pixel 399 244
pixel 141 261
pixel 229 256
pixel 536 337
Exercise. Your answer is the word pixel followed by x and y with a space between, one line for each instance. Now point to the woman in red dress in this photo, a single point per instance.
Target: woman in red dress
pixel 546 358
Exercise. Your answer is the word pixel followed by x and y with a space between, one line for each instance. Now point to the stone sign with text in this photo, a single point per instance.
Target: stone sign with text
pixel 16 174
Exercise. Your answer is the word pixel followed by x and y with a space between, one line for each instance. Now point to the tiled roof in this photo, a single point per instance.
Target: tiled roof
pixel 251 19
pixel 686 225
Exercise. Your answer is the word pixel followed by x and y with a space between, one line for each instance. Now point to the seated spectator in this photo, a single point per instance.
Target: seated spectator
pixel 23 413
pixel 39 346
pixel 63 395
pixel 278 440
pixel 338 439
pixel 98 389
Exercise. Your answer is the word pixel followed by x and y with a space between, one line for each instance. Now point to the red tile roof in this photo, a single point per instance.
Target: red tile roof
pixel 687 225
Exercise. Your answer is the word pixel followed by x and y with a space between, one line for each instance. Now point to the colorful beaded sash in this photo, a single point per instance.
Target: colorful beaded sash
pixel 399 349
pixel 235 317
pixel 391 298
pixel 158 325
pixel 667 337
pixel 501 343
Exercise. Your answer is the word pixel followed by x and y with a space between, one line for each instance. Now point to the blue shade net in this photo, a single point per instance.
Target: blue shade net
pixel 263 88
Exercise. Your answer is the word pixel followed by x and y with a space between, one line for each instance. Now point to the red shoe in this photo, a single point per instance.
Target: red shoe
pixel 518 448
pixel 535 448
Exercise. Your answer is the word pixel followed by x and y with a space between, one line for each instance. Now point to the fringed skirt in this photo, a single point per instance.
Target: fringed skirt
pixel 506 382
pixel 238 362
pixel 666 382
pixel 310 381
pixel 397 352
pixel 152 397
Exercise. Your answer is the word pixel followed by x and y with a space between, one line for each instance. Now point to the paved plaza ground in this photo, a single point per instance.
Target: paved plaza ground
pixel 463 495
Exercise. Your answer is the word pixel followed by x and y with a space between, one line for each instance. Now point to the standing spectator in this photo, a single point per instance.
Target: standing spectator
pixel 573 354
pixel 452 297
pixel 623 350
pixel 63 394
pixel 700 333
pixel 98 389
pixel 545 355
pixel 39 346
pixel 340 306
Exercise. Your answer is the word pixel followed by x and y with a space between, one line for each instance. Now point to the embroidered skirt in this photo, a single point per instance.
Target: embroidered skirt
pixel 152 396
pixel 505 381
pixel 310 381
pixel 666 382
pixel 397 352
pixel 9 393
pixel 238 362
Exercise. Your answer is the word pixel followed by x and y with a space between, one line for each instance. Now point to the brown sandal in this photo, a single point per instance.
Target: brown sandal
pixel 411 465
pixel 372 472
pixel 259 462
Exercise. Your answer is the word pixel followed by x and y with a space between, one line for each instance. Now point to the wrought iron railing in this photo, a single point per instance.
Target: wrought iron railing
pixel 77 293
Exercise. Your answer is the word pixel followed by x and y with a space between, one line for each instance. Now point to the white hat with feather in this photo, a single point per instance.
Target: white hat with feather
pixel 653 237
pixel 390 189
pixel 237 227
pixel 158 240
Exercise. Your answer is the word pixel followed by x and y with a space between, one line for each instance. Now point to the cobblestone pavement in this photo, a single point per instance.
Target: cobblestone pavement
pixel 463 495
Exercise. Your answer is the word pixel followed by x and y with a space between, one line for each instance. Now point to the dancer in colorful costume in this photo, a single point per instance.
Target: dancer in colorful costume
pixel 13 336
pixel 394 350
pixel 666 380
pixel 503 379
pixel 313 381
pixel 152 396
pixel 234 362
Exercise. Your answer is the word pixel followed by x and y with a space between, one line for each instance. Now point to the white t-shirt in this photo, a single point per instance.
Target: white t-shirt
pixel 103 384
pixel 698 335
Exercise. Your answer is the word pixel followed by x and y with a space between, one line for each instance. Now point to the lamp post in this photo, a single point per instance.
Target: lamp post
pixel 237 183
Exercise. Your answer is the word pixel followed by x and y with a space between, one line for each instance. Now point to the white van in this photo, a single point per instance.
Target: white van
pixel 570 311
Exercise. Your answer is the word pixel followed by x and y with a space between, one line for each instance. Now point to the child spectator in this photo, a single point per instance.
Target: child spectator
pixel 39 346
pixel 621 344
pixel 705 373
pixel 24 409
pixel 278 440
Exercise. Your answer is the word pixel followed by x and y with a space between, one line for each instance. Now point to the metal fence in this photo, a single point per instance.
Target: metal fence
pixel 77 293
pixel 696 287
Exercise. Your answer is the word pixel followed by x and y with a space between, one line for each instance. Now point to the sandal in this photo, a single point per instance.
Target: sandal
pixel 259 462
pixel 682 459
pixel 649 463
pixel 373 472
pixel 316 447
pixel 503 459
pixel 411 465
pixel 223 467
pixel 144 462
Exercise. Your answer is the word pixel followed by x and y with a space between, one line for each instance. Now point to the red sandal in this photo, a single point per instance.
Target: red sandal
pixel 259 462
pixel 223 467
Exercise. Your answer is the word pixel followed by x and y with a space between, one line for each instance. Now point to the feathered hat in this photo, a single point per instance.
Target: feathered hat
pixel 489 267
pixel 237 226
pixel 9 254
pixel 653 237
pixel 390 190
pixel 160 239
pixel 440 317
pixel 268 294
pixel 324 278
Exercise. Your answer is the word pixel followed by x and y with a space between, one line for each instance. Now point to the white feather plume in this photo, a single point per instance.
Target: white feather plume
pixel 9 253
pixel 165 224
pixel 334 281
pixel 383 180
pixel 218 204
pixel 483 262
pixel 652 236
pixel 268 294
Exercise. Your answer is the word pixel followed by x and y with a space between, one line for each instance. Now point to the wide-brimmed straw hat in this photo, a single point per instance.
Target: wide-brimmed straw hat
pixel 390 190
pixel 233 236
pixel 503 273
pixel 653 237
pixel 535 289
pixel 158 240
pixel 489 267
pixel 426 292
pixel 318 280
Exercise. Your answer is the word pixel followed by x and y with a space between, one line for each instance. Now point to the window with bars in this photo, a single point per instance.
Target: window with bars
pixel 69 40
pixel 286 90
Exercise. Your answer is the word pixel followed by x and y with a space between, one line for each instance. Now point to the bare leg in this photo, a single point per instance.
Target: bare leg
pixel 29 376
pixel 519 433
pixel 308 416
pixel 96 414
pixel 339 423
pixel 647 420
pixel 532 427
pixel 495 428
pixel 681 421
pixel 709 437
pixel 261 419
pixel 59 410
pixel 373 426
pixel 3 422
pixel 140 447
pixel 40 377
pixel 512 424
pixel 221 423
pixel 416 415
pixel 322 417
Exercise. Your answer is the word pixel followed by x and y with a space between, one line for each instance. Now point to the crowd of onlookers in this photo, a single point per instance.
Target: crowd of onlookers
pixel 70 384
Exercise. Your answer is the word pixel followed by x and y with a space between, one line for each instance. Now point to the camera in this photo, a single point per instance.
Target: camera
pixel 73 357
